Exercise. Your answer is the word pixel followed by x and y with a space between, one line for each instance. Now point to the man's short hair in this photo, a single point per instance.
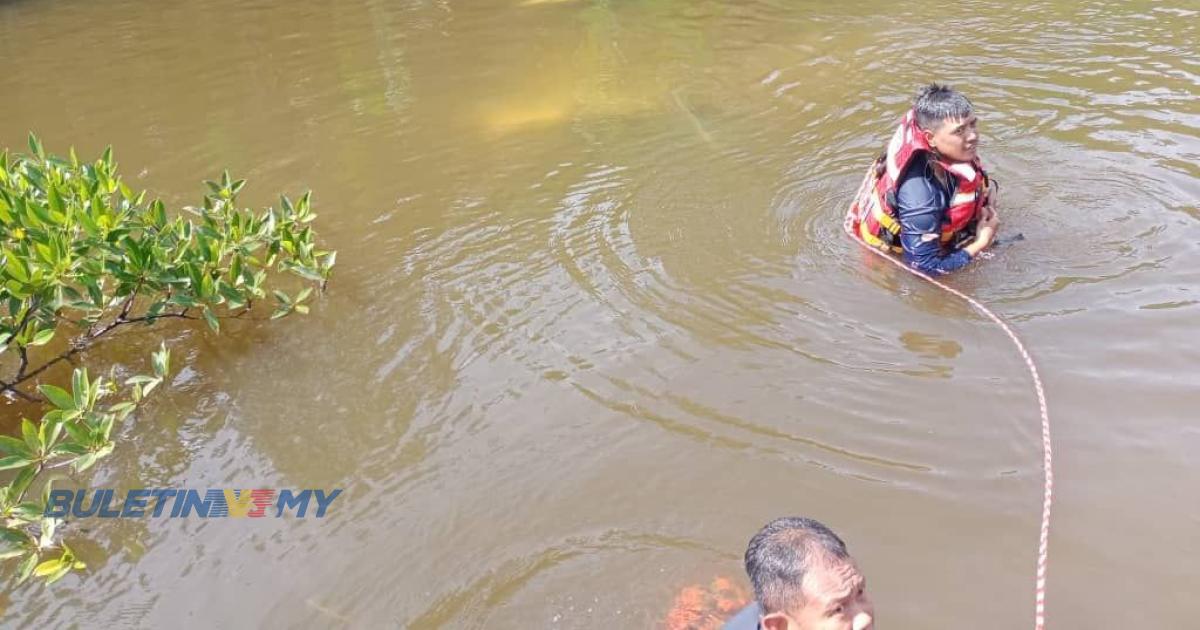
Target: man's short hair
pixel 935 103
pixel 781 553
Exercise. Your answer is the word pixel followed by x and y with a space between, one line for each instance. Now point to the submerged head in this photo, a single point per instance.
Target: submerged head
pixel 804 579
pixel 948 121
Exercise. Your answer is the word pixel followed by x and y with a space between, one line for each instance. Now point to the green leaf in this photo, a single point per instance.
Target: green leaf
pixel 52 424
pixel 183 300
pixel 29 432
pixel 13 446
pixel 155 310
pixel 13 461
pixel 94 292
pixel 149 387
pixel 85 462
pixel 124 408
pixel 211 318
pixel 47 488
pixel 231 295
pixel 82 435
pixel 13 543
pixel 79 388
pixel 55 200
pixel 29 511
pixel 40 213
pixel 206 289
pixel 16 268
pixel 158 214
pixel 95 391
pixel 89 225
pixel 57 396
pixel 48 567
pixel 63 569
pixel 161 360
pixel 26 567
pixel 21 482
pixel 106 426
pixel 42 337
pixel 68 448
pixel 35 146
pixel 17 289
pixel 44 252
pixel 7 552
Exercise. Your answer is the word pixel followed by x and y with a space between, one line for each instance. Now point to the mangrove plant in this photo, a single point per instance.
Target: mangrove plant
pixel 82 256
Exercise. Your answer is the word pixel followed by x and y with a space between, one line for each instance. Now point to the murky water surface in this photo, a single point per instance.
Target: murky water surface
pixel 594 321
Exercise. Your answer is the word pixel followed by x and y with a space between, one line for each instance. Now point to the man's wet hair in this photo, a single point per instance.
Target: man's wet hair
pixel 935 103
pixel 781 553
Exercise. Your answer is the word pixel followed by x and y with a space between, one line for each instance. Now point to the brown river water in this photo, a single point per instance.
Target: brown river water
pixel 594 320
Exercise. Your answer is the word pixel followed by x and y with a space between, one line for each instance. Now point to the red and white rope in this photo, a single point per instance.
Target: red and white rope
pixel 1048 487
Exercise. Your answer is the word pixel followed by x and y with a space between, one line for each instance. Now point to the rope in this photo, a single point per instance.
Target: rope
pixel 1039 622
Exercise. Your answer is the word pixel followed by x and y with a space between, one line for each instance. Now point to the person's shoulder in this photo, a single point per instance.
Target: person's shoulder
pixel 917 171
pixel 917 185
pixel 746 619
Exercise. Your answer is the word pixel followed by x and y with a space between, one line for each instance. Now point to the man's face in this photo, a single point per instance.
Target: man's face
pixel 957 139
pixel 834 598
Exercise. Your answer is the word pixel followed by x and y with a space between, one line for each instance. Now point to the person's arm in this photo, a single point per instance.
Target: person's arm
pixel 920 209
pixel 985 229
pixel 985 232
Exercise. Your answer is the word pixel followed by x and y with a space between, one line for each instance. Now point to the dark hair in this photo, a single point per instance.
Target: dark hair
pixel 780 554
pixel 935 103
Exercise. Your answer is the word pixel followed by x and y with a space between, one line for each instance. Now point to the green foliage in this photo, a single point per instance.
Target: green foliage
pixel 76 433
pixel 75 241
pixel 81 255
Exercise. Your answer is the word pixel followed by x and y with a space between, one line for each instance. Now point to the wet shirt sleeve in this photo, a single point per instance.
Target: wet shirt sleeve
pixel 921 206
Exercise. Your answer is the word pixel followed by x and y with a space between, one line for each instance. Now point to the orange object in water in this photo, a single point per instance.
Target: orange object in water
pixel 700 607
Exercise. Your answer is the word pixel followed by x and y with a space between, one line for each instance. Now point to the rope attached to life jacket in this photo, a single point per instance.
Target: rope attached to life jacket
pixel 1039 622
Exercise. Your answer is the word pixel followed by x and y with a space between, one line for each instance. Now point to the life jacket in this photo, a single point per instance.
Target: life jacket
pixel 872 216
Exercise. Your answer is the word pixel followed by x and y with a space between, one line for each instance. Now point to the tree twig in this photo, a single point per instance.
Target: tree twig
pixel 12 387
pixel 80 346
pixel 17 330
pixel 24 363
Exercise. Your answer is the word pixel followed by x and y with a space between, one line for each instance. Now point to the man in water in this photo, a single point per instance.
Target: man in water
pixel 804 579
pixel 928 196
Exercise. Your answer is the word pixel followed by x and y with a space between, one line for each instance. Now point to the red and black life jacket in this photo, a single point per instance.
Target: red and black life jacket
pixel 872 214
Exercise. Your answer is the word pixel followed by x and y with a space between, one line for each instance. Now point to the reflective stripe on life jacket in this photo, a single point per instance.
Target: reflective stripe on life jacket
pixel 873 215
